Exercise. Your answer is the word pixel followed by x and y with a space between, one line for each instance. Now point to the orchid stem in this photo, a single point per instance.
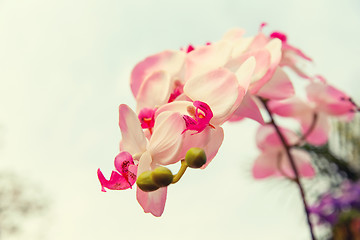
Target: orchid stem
pixel 181 172
pixel 293 166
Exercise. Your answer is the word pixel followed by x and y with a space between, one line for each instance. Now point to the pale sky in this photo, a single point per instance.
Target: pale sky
pixel 64 70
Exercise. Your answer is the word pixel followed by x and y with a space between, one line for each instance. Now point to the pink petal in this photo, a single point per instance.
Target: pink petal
pixel 145 162
pixel 265 165
pixel 116 181
pixel 207 58
pixel 245 72
pixel 177 106
pixel 171 62
pixel 297 51
pixel 152 202
pixel 133 139
pixel 278 87
pixel 258 42
pixel 165 143
pixel 274 47
pixel 302 162
pixel 291 107
pixel 262 58
pixel 213 146
pixel 290 59
pixel 218 88
pixel 329 99
pixel 244 76
pixel 154 91
pixel 233 34
pixel 191 140
pixel 268 138
pixel 132 174
pixel 319 134
pixel 247 109
pixel 122 162
pixel 276 163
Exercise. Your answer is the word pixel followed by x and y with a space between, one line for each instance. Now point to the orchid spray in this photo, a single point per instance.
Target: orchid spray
pixel 185 96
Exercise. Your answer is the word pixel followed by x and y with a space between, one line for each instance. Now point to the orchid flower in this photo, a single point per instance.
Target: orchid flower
pixel 268 81
pixel 162 148
pixel 324 100
pixel 291 55
pixel 273 160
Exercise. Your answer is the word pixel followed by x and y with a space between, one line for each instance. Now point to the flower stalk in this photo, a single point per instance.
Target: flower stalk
pixel 296 178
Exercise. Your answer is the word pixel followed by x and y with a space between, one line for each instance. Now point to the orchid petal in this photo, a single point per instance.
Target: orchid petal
pixel 165 143
pixel 133 139
pixel 274 48
pixel 278 87
pixel 262 58
pixel 291 107
pixel 247 109
pixel 241 46
pixel 116 181
pixel 152 202
pixel 154 91
pixel 302 162
pixel 170 61
pixel 177 106
pixel 122 162
pixel 212 147
pixel 268 138
pixel 205 58
pixel 319 133
pixel 218 88
pixel 329 99
pixel 245 72
pixel 258 42
pixel 233 34
pixel 199 140
pixel 265 165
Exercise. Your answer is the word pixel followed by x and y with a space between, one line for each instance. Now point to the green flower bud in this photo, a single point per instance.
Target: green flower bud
pixel 162 176
pixel 145 182
pixel 195 157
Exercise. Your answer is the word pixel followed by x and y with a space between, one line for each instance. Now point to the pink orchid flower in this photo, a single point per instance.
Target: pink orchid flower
pixel 268 81
pixel 273 160
pixel 291 55
pixel 137 151
pixel 324 101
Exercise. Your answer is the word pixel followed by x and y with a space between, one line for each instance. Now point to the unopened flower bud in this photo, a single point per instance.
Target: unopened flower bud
pixel 144 182
pixel 195 157
pixel 162 176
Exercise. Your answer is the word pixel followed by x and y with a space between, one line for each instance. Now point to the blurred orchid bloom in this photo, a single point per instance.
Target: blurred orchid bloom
pixel 273 160
pixel 291 55
pixel 324 101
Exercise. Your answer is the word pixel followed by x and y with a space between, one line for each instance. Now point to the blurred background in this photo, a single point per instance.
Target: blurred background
pixel 64 70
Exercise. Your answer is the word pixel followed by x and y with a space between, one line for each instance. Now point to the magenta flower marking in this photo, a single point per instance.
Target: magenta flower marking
pixel 279 35
pixel 178 90
pixel 200 119
pixel 124 177
pixel 147 118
